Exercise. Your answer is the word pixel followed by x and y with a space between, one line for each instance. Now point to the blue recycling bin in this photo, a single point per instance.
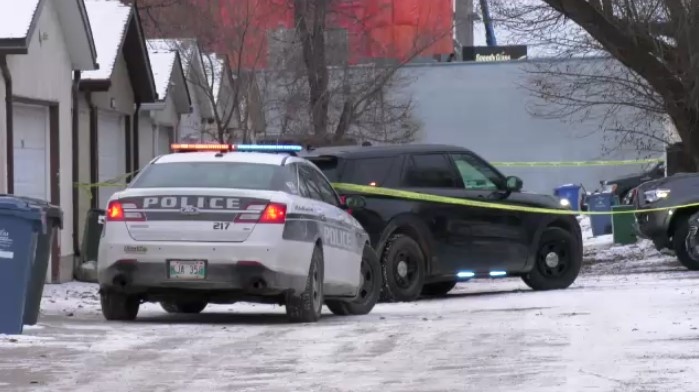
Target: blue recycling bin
pixel 602 223
pixel 20 225
pixel 572 193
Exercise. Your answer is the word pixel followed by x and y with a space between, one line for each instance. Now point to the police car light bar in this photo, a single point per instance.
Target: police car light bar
pixel 185 147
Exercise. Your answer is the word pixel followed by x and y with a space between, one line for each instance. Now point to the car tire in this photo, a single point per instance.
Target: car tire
pixel 119 306
pixel 307 306
pixel 188 307
pixel 679 245
pixel 438 289
pixel 403 269
pixel 370 289
pixel 560 270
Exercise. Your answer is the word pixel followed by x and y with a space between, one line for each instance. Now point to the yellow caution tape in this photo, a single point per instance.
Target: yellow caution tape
pixel 484 204
pixel 576 163
pixel 114 182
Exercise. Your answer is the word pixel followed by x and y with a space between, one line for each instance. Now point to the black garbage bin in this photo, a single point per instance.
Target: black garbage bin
pixel 86 270
pixel 53 219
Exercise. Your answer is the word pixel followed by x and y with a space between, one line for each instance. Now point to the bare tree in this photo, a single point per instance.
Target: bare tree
pixel 651 76
pixel 361 91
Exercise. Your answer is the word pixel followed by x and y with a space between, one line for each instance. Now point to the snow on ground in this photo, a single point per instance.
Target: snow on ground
pixel 629 323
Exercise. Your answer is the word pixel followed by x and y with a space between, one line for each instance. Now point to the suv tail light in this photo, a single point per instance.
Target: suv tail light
pixel 117 213
pixel 260 213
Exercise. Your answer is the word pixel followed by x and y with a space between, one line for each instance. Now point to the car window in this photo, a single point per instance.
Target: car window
pixel 291 179
pixel 476 174
pixel 370 171
pixel 429 171
pixel 308 184
pixel 241 175
pixel 325 189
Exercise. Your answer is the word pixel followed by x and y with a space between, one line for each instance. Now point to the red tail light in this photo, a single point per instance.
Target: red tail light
pixel 343 202
pixel 273 213
pixel 117 213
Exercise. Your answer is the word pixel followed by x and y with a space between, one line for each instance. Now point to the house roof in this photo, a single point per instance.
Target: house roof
pixel 109 20
pixel 163 64
pixel 18 20
pixel 169 78
pixel 117 30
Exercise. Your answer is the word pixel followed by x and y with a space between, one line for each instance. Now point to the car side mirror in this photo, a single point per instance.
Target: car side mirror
pixel 355 202
pixel 514 184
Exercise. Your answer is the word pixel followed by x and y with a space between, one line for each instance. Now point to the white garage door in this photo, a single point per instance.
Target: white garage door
pixel 111 154
pixel 31 151
pixel 164 140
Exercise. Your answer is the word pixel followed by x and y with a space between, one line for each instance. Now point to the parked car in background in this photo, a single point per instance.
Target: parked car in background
pixel 624 185
pixel 427 247
pixel 671 228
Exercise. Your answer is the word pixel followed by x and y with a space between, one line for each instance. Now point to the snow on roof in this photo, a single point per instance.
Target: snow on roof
pixel 185 46
pixel 108 19
pixel 16 17
pixel 213 67
pixel 162 63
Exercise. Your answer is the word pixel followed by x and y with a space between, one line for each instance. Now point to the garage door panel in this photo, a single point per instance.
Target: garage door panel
pixel 31 130
pixel 111 153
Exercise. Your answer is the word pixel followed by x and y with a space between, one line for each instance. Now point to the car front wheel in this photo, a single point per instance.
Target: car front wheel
pixel 369 290
pixel 558 261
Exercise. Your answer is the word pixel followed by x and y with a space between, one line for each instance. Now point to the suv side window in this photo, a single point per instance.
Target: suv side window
pixel 476 174
pixel 429 171
pixel 372 171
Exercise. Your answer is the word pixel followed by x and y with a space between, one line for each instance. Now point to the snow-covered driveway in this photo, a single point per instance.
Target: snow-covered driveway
pixel 630 323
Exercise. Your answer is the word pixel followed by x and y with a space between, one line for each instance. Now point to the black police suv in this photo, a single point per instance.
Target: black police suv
pixel 427 247
pixel 673 227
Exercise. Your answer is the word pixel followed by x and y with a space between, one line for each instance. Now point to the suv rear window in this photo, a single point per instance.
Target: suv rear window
pixel 242 175
pixel 328 165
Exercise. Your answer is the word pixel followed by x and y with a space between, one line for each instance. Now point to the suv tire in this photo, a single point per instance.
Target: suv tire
pixel 119 306
pixel 679 245
pixel 369 291
pixel 557 263
pixel 403 269
pixel 186 307
pixel 438 289
pixel 307 306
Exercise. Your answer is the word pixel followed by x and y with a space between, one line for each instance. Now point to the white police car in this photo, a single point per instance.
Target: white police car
pixel 224 223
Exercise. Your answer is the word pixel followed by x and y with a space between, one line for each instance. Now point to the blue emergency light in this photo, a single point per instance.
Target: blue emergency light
pixel 268 147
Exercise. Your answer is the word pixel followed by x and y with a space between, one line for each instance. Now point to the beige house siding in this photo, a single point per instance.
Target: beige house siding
pixel 45 74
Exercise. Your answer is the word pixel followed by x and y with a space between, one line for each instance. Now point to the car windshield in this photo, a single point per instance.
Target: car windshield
pixel 241 175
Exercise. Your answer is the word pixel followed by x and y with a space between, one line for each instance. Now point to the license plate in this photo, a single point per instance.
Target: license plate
pixel 187 269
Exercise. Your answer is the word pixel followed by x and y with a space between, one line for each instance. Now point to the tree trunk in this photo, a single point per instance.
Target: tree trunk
pixel 309 16
pixel 687 124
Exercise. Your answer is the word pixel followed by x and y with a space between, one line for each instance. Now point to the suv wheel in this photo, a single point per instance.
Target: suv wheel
pixel 438 288
pixel 369 290
pixel 557 262
pixel 684 243
pixel 307 306
pixel 403 267
pixel 187 307
pixel 119 306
